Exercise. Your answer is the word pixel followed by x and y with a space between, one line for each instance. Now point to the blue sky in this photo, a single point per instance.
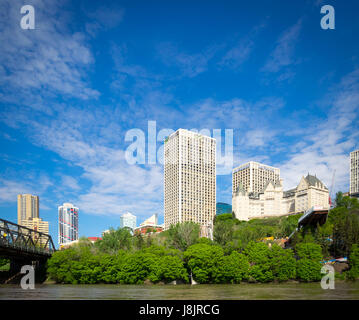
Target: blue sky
pixel 92 70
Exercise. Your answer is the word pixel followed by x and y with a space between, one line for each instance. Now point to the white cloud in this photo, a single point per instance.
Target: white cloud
pixel 46 61
pixel 325 146
pixel 190 64
pixel 283 54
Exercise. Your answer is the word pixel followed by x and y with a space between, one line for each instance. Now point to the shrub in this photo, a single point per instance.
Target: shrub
pixel 235 268
pixel 353 272
pixel 205 262
pixel 308 270
pixel 309 251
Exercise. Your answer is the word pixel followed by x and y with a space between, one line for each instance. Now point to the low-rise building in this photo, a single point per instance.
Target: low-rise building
pixel 94 239
pixel 149 228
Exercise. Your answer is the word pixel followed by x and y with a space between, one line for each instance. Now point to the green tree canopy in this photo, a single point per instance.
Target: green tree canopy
pixel 183 235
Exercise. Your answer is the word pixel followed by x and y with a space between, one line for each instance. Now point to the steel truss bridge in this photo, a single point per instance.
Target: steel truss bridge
pixel 22 245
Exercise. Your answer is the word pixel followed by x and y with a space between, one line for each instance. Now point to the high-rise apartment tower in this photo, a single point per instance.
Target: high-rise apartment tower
pixel 354 173
pixel 68 223
pixel 27 207
pixel 189 178
pixel 253 176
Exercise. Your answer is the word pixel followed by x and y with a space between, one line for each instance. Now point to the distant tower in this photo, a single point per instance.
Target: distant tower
pixel 128 220
pixel 27 207
pixel 354 173
pixel 68 223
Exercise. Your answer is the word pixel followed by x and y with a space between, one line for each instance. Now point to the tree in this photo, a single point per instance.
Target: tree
pixel 346 202
pixel 115 240
pixel 258 254
pixel 138 267
pixel 205 262
pixel 223 231
pixel 283 263
pixel 289 224
pixel 139 242
pixel 308 265
pixel 183 235
pixel 339 199
pixel 223 217
pixel 309 251
pixel 345 232
pixel 235 268
pixel 353 272
pixel 172 268
pixel 308 270
pixel 323 237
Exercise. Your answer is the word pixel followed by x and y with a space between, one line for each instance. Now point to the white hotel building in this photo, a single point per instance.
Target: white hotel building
pixel 258 193
pixel 68 223
pixel 189 178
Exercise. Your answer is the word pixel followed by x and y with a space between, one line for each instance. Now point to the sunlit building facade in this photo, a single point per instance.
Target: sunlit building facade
pixel 253 176
pixel 128 220
pixel 272 201
pixel 68 223
pixel 189 178
pixel 27 207
pixel 354 174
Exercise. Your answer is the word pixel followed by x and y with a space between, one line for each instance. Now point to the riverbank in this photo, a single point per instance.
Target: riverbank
pixel 344 290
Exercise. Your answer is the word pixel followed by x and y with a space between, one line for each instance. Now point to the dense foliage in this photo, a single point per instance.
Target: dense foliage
pixel 239 252
pixel 4 264
pixel 205 260
pixel 353 273
pixel 340 232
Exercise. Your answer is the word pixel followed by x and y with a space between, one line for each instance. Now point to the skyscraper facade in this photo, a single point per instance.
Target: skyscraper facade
pixel 128 220
pixel 253 176
pixel 354 173
pixel 189 178
pixel 68 223
pixel 27 207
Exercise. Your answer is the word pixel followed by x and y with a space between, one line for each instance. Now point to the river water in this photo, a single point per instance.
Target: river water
pixel 307 291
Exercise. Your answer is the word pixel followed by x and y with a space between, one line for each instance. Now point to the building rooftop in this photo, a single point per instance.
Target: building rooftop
pixel 313 181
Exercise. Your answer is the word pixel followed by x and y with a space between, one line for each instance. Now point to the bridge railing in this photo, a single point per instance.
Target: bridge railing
pixel 19 237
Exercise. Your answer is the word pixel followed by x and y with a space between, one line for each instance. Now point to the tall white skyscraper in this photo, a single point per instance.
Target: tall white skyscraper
pixel 128 220
pixel 253 176
pixel 68 223
pixel 189 178
pixel 354 173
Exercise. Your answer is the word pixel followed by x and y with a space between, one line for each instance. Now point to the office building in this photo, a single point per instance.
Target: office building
pixel 354 174
pixel 128 220
pixel 189 178
pixel 68 223
pixel 253 176
pixel 27 207
pixel 272 201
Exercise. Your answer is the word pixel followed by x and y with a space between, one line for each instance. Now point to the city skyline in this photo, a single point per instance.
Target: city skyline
pixel 287 88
